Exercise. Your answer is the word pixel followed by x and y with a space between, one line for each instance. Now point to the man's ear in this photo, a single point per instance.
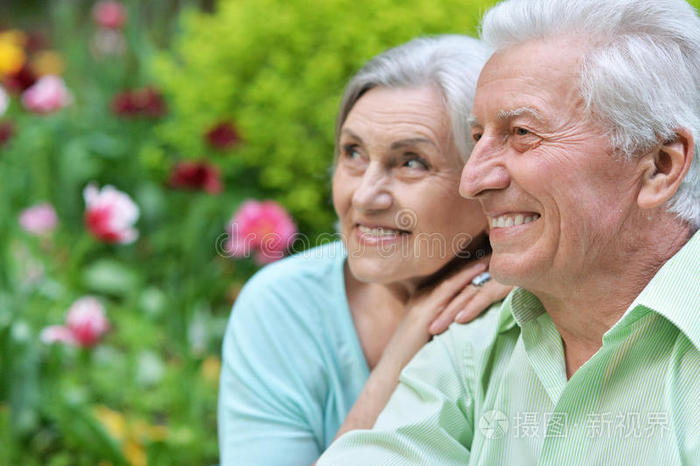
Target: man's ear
pixel 665 168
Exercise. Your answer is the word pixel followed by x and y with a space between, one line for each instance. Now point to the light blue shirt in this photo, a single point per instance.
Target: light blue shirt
pixel 292 365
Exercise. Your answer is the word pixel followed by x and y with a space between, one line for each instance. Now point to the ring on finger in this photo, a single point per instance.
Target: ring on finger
pixel 480 279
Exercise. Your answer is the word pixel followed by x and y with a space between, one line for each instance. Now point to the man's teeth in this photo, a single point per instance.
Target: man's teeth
pixel 378 231
pixel 504 221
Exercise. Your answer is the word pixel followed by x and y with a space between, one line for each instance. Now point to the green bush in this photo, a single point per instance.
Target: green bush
pixel 277 68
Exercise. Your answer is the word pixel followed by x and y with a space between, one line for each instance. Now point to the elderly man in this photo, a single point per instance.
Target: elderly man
pixel 587 118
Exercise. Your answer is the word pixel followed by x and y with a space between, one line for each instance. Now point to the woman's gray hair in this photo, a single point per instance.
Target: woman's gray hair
pixel 640 76
pixel 451 63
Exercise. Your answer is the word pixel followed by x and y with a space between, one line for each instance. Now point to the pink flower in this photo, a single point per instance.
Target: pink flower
pixel 57 333
pixel 110 15
pixel 263 227
pixel 110 214
pixel 39 219
pixel 47 95
pixel 86 322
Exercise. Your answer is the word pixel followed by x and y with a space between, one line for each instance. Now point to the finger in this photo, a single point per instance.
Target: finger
pixel 448 315
pixel 454 284
pixel 488 294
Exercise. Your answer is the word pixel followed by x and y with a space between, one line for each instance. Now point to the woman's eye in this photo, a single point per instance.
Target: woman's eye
pixel 476 136
pixel 350 151
pixel 521 131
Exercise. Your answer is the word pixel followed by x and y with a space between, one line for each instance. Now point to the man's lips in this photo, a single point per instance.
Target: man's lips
pixel 510 219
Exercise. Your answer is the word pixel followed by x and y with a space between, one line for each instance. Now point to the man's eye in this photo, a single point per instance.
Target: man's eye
pixel 521 131
pixel 476 136
pixel 416 164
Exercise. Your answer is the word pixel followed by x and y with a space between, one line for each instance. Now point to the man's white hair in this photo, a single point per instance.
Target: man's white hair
pixel 640 77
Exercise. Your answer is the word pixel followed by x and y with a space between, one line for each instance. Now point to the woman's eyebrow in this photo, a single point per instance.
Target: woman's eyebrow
pixel 352 134
pixel 411 142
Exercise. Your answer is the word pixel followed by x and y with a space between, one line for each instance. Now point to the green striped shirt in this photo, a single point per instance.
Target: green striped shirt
pixel 495 392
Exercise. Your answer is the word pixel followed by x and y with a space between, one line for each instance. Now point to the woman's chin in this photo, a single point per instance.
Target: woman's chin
pixel 374 271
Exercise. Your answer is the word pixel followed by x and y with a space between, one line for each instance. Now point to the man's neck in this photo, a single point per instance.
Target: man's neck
pixel 594 302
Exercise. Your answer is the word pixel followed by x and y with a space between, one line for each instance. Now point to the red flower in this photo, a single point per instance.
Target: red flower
pixel 21 80
pixel 139 102
pixel 110 15
pixel 196 175
pixel 222 136
pixel 7 129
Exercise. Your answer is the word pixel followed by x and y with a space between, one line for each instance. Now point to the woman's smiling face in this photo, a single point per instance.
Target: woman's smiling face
pixel 395 187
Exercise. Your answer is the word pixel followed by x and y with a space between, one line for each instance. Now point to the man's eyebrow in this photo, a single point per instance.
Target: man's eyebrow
pixel 411 142
pixel 508 114
pixel 516 112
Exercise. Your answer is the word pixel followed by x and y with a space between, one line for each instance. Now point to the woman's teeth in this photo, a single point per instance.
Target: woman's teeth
pixel 378 232
pixel 503 221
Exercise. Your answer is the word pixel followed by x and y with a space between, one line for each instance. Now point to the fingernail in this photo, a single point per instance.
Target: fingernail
pixel 461 316
pixel 433 328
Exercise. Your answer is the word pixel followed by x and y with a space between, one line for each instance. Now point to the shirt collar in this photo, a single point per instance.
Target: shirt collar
pixel 674 292
pixel 520 307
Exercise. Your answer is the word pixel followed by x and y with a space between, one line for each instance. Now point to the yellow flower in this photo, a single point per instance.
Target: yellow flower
pixel 14 36
pixel 134 453
pixel 11 57
pixel 211 367
pixel 113 421
pixel 48 62
pixel 132 435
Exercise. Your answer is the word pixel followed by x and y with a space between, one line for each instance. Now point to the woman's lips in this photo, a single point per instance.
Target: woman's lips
pixel 378 234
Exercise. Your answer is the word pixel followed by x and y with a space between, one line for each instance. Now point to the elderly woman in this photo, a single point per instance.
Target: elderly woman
pixel 316 341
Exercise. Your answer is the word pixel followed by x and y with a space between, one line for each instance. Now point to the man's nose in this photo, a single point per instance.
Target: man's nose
pixel 373 191
pixel 484 170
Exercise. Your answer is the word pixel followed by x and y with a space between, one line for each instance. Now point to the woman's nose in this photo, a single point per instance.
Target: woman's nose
pixel 373 191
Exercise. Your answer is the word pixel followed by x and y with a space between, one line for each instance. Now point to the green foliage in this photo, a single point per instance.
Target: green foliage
pixel 278 68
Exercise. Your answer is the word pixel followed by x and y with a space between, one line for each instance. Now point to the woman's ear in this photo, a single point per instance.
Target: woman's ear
pixel 665 168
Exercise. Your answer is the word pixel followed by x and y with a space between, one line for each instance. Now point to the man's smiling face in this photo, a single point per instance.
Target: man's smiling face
pixel 545 174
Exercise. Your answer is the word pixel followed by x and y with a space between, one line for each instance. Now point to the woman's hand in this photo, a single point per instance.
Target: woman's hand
pixel 428 312
pixel 471 301
pixel 431 310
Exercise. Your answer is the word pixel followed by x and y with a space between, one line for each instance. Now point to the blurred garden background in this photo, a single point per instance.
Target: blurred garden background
pixel 139 142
